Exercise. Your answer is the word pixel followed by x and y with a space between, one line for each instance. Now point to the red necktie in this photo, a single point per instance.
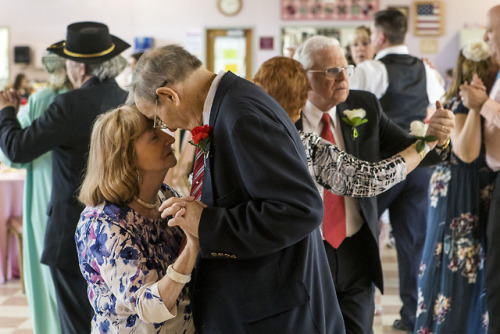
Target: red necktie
pixel 334 228
pixel 199 166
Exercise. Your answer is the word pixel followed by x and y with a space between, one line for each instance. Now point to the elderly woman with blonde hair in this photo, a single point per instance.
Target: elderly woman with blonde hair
pixel 136 266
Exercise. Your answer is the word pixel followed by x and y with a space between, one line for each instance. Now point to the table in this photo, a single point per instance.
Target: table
pixel 11 205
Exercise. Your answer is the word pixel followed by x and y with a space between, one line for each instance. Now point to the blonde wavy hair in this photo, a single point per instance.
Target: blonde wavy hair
pixel 111 172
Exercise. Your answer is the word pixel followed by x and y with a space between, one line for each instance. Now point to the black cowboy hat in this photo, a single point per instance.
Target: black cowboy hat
pixel 88 42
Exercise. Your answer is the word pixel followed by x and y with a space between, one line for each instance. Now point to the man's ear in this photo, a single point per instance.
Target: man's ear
pixel 169 94
pixel 384 40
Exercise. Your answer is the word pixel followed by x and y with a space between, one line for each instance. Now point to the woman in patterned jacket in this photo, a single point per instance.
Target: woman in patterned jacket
pixel 136 265
pixel 341 173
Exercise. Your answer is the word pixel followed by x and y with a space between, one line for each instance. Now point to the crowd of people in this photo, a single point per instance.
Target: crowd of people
pixel 290 174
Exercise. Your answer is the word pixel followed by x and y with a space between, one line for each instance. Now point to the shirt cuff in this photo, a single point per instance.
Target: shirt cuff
pixel 155 312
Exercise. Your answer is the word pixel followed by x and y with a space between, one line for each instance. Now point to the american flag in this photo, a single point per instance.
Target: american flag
pixel 428 19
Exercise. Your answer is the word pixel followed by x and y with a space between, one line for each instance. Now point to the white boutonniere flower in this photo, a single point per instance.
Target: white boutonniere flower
pixel 355 117
pixel 419 129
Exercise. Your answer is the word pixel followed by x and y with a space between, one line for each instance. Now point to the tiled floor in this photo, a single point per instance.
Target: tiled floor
pixel 390 300
pixel 15 318
pixel 14 311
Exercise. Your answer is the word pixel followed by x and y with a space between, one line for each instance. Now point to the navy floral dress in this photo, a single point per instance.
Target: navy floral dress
pixel 451 296
pixel 122 256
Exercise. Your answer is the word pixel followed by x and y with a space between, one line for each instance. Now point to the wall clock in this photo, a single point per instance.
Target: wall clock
pixel 229 7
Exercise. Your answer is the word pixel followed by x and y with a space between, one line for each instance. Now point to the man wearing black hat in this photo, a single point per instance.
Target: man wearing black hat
pixel 92 64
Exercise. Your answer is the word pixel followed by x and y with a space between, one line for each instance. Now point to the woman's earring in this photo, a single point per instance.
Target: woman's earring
pixel 138 176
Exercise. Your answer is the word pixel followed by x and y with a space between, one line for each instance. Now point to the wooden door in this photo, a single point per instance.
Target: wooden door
pixel 230 50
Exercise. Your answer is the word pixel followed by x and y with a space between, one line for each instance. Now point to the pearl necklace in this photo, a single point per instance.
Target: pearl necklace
pixel 148 205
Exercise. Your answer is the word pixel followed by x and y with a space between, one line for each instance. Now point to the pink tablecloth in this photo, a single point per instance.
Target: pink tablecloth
pixel 11 205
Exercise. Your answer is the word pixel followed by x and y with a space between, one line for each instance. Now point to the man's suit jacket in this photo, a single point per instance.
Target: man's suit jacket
pixel 64 128
pixel 262 268
pixel 378 139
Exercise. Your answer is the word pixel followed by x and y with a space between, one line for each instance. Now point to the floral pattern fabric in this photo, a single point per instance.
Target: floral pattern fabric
pixel 122 256
pixel 451 296
pixel 344 174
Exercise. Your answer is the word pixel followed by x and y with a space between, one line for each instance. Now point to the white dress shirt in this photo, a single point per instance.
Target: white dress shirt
pixel 372 76
pixel 311 118
pixel 209 100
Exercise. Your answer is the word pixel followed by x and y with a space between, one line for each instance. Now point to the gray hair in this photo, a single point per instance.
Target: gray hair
pixel 108 69
pixel 56 67
pixel 170 63
pixel 313 44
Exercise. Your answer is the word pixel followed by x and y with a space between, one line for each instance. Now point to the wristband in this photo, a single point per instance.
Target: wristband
pixel 177 277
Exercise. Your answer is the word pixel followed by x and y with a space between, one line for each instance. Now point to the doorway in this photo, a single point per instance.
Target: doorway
pixel 230 50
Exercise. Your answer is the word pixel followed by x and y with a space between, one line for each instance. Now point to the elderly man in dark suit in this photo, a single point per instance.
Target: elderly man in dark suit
pixel 353 250
pixel 92 63
pixel 262 267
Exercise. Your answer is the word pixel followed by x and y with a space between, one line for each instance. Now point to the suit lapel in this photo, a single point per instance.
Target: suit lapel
pixel 351 146
pixel 207 191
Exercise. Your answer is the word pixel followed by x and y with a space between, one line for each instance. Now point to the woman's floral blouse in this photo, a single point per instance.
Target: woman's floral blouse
pixel 344 174
pixel 122 256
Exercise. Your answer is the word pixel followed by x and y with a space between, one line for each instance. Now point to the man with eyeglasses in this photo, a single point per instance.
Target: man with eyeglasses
pixel 405 87
pixel 262 266
pixel 351 232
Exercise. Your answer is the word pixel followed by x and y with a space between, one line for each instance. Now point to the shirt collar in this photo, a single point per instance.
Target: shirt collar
pixel 207 107
pixel 313 114
pixel 398 49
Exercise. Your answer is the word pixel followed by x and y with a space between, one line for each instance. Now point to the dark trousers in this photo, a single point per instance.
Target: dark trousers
pixel 492 264
pixel 73 303
pixel 408 206
pixel 351 272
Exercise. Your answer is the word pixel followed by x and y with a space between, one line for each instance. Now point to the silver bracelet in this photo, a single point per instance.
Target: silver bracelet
pixel 177 277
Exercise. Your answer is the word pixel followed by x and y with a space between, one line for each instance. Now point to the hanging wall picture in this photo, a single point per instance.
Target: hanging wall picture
pixel 328 9
pixel 429 18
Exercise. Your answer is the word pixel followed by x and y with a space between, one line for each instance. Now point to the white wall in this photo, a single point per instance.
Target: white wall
pixel 38 23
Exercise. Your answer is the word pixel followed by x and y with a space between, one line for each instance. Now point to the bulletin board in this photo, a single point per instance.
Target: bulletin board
pixel 341 10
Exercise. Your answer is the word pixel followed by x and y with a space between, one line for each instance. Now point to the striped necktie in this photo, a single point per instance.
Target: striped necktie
pixel 199 166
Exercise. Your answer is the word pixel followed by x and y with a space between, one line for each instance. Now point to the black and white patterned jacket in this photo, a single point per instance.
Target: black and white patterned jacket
pixel 344 174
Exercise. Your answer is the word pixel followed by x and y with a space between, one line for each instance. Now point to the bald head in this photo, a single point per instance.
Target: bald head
pixel 494 10
pixel 492 34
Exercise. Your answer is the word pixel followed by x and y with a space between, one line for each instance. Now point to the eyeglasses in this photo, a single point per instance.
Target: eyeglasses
pixel 157 122
pixel 333 72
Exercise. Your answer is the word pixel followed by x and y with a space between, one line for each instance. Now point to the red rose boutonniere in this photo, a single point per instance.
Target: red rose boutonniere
pixel 201 137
